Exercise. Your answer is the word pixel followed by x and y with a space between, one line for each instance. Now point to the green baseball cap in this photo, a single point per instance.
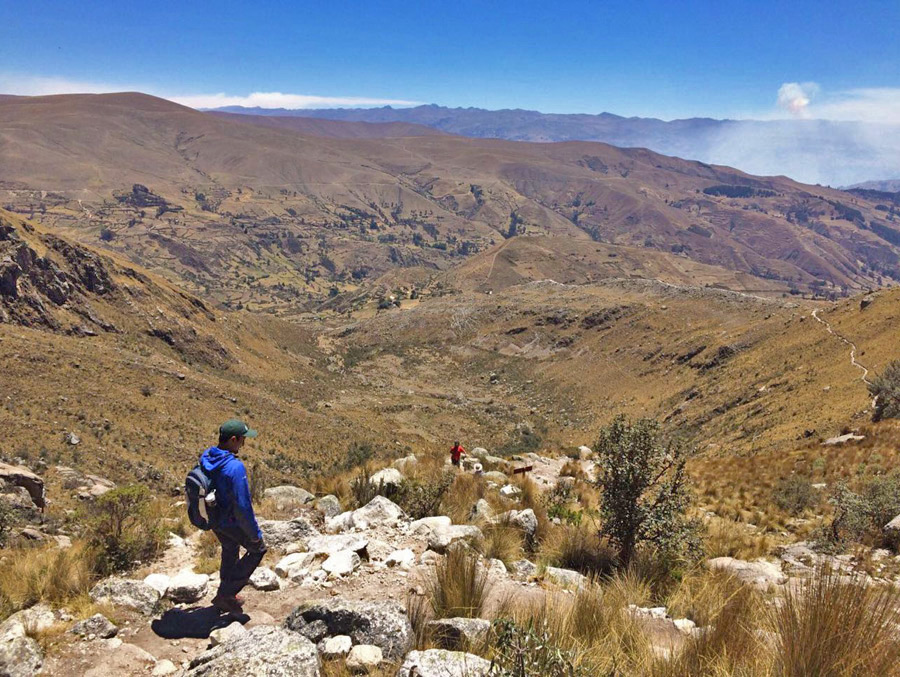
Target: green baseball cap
pixel 235 428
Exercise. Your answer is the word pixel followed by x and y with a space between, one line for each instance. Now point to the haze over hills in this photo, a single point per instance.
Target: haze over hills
pixel 812 151
pixel 248 210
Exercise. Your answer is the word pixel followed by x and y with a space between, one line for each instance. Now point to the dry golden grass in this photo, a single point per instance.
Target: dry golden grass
pixel 725 538
pixel 207 556
pixel 579 548
pixel 459 500
pixel 503 542
pixel 45 574
pixel 458 585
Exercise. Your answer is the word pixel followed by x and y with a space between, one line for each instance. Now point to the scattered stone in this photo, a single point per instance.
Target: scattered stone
pixel 341 564
pixel 187 587
pixel 525 520
pixel 331 544
pixel 387 477
pixel 175 541
pixel 264 579
pixel 585 452
pixel 329 506
pixel 72 439
pixel 459 633
pixel 510 490
pixel 364 658
pixel 127 592
pixel 159 582
pixel 18 476
pixel 404 558
pixel 336 647
pixel 481 511
pixel 442 538
pixel 566 578
pixel 295 565
pixel 384 624
pixel 893 525
pixel 20 657
pixel 379 512
pixel 264 651
pixel 164 668
pixel 443 663
pixel 685 625
pixel 496 477
pixel 422 527
pixel 496 568
pixel 32 534
pixel 524 567
pixel 278 533
pixel 287 495
pixel 63 542
pixel 842 439
pixel 221 635
pixel 759 573
pixel 97 625
pixel 405 464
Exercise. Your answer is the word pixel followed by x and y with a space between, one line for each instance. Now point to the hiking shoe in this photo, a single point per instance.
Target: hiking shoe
pixel 227 604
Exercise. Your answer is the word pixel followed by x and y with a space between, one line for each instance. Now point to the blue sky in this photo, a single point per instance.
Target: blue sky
pixel 661 59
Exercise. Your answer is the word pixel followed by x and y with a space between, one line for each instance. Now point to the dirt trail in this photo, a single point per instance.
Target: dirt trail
pixel 864 377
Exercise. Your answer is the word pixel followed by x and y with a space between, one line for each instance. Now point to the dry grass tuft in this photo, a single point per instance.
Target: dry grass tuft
pixel 579 548
pixel 207 557
pixel 835 625
pixel 461 496
pixel 458 585
pixel 50 574
pixel 503 542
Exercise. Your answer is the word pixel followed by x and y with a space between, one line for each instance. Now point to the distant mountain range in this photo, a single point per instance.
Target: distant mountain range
pixel 812 151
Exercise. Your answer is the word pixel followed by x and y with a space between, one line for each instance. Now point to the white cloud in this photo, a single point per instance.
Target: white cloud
pixel 29 85
pixel 280 100
pixel 795 97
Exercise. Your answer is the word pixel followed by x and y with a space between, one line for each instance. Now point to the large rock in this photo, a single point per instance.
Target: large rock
pixel 496 477
pixel 442 538
pixel 336 647
pixel 481 511
pixel 404 558
pixel 278 533
pixel 566 578
pixel 379 512
pixel 264 579
pixel 341 564
pixel 231 632
pixel 18 476
pixel 459 633
pixel 159 582
pixel 387 477
pixel 296 565
pixel 333 543
pixel 364 658
pixel 405 464
pixel 524 567
pixel 424 526
pixel 187 587
pixel 287 495
pixel 384 624
pixel 264 651
pixel 525 520
pixel 128 593
pixel 443 663
pixel 893 527
pixel 759 573
pixel 97 625
pixel 329 506
pixel 38 618
pixel 88 487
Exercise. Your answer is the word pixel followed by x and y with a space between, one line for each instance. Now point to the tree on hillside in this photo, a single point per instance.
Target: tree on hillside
pixel 886 390
pixel 644 488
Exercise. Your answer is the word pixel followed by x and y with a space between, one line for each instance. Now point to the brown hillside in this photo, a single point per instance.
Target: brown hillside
pixel 334 128
pixel 270 218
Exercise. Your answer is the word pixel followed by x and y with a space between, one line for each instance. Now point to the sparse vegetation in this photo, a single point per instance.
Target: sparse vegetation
pixel 458 585
pixel 885 388
pixel 794 494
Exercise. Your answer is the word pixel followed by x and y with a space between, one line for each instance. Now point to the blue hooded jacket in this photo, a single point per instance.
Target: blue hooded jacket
pixel 234 509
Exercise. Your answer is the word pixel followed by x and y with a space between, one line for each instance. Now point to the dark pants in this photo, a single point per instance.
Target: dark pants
pixel 235 571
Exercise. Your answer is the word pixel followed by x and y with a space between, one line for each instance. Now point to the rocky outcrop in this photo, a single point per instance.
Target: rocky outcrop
pixel 278 533
pixel 20 657
pixel 264 579
pixel 128 593
pixel 329 506
pixel 287 496
pixel 759 573
pixel 187 587
pixel 387 477
pixel 524 520
pixel 441 538
pixel 442 663
pixel 379 512
pixel 458 633
pixel 264 651
pixel 364 658
pixel 566 578
pixel 384 624
pixel 12 476
pixel 97 625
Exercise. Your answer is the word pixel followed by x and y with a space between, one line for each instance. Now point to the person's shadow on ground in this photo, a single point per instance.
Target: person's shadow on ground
pixel 196 622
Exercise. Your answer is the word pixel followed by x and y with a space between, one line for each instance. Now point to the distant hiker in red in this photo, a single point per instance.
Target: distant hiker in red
pixel 456 453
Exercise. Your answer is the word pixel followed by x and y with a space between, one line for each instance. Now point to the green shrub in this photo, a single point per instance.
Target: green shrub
pixel 644 489
pixel 121 529
pixel 526 651
pixel 886 391
pixel 7 520
pixel 794 494
pixel 861 515
pixel 422 498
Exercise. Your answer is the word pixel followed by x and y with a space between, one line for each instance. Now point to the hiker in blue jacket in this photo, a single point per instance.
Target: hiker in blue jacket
pixel 232 518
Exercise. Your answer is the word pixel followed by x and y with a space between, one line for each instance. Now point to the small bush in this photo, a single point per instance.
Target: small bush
pixel 524 651
pixel 122 530
pixel 794 494
pixel 832 626
pixel 886 391
pixel 860 516
pixel 422 497
pixel 644 489
pixel 364 490
pixel 358 454
pixel 458 586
